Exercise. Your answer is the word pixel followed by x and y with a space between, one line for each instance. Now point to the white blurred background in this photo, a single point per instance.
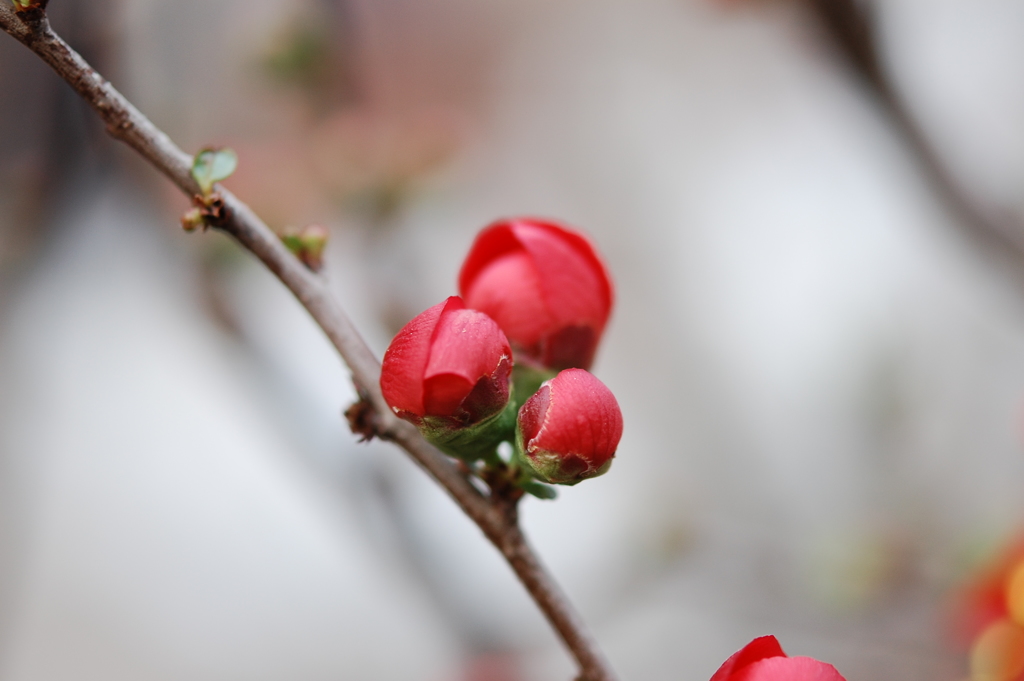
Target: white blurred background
pixel 819 360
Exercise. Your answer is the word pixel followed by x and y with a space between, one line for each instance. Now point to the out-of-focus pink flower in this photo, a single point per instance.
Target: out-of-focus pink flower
pixel 545 285
pixel 448 363
pixel 1015 594
pixel 986 598
pixel 493 667
pixel 764 660
pixel 989 614
pixel 569 429
pixel 998 653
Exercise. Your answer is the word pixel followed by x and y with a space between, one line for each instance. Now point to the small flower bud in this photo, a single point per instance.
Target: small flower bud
pixel 307 244
pixel 545 285
pixel 569 429
pixel 314 240
pixel 449 372
pixel 764 660
pixel 192 220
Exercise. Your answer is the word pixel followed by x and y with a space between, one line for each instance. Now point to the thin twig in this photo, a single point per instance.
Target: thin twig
pixel 495 516
pixel 850 26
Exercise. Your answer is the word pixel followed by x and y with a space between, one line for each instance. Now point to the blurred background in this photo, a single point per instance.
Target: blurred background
pixel 814 212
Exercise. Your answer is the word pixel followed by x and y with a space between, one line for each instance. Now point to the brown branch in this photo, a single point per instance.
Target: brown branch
pixel 849 25
pixel 495 515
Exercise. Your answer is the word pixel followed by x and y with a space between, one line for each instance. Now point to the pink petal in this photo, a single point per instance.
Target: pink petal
pixel 576 286
pixel 532 413
pixel 758 649
pixel 442 394
pixel 788 669
pixel 401 378
pixel 509 291
pixel 467 344
pixel 582 419
pixel 493 242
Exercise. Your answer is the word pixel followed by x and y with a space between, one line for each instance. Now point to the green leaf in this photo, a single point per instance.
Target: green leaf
pixel 292 242
pixel 538 490
pixel 213 165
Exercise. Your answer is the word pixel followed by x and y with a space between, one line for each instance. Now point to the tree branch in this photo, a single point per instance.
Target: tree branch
pixel 849 25
pixel 494 515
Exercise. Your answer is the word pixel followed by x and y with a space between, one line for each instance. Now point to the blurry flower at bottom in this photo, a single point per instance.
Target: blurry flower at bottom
pixel 764 660
pixel 1015 594
pixel 493 667
pixel 991 594
pixel 998 654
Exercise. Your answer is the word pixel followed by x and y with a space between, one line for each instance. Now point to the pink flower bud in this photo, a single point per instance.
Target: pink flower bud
pixel 447 362
pixel 545 285
pixel 569 429
pixel 448 371
pixel 764 660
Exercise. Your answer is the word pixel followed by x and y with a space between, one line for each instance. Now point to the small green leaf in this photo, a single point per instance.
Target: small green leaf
pixel 539 490
pixel 292 242
pixel 213 165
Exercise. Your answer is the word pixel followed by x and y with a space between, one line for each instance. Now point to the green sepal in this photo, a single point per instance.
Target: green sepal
pixel 478 441
pixel 528 379
pixel 539 490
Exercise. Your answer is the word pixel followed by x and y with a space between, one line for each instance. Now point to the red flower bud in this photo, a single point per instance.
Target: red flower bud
pixel 447 370
pixel 764 660
pixel 569 429
pixel 546 287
